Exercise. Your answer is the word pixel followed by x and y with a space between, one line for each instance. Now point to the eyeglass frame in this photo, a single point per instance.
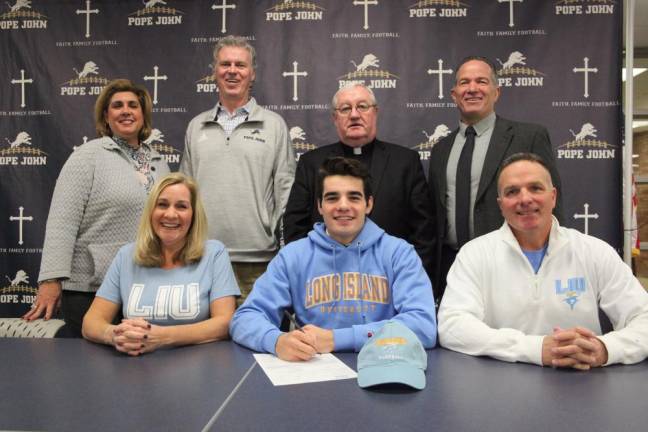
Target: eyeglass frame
pixel 359 107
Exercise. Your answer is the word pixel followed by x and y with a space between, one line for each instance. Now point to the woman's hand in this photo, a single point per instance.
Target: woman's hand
pixel 48 301
pixel 130 336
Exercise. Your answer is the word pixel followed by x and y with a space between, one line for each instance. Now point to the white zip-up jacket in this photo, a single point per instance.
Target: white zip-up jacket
pixel 495 305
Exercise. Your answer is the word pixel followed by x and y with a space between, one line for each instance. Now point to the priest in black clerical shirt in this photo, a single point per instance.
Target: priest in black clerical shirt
pixel 402 204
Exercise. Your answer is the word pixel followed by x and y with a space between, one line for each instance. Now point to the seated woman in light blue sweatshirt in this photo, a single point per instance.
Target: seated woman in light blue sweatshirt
pixel 173 286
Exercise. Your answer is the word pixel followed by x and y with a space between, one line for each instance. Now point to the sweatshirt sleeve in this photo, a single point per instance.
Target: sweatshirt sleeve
pixel 461 316
pixel 625 302
pixel 412 298
pixel 284 171
pixel 223 278
pixel 186 165
pixel 255 324
pixel 110 288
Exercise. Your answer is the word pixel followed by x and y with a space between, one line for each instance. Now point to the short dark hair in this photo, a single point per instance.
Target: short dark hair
pixel 522 156
pixel 344 167
pixel 483 59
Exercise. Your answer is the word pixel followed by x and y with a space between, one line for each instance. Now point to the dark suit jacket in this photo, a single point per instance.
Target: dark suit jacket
pixel 402 205
pixel 508 138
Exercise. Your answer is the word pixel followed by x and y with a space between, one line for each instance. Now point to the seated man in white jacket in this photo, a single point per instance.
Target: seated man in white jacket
pixel 531 291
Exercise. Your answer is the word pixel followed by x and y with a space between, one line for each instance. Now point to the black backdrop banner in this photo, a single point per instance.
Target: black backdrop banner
pixel 560 64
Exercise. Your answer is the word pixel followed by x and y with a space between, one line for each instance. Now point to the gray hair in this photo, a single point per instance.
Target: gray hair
pixel 237 42
pixel 372 96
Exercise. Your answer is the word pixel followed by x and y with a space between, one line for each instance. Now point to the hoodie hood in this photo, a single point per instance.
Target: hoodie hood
pixel 368 236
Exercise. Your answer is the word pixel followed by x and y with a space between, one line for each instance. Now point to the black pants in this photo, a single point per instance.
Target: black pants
pixel 74 305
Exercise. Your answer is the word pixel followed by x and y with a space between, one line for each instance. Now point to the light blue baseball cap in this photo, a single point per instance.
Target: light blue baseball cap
pixel 393 355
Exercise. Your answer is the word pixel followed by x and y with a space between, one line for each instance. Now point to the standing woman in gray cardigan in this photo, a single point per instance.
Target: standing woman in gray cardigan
pixel 97 202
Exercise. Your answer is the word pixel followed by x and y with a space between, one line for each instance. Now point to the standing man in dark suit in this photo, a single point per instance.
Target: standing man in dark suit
pixel 402 205
pixel 463 183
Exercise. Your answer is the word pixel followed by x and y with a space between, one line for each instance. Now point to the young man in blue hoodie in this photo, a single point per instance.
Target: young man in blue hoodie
pixel 343 281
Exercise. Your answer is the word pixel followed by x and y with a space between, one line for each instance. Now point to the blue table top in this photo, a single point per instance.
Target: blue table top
pixel 74 385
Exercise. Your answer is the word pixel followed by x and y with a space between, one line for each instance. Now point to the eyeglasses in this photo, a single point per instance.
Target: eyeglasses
pixel 362 107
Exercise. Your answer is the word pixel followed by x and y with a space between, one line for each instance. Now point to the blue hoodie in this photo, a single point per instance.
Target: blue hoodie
pixel 352 290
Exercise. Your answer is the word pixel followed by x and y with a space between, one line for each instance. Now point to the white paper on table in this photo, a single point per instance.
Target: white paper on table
pixel 322 367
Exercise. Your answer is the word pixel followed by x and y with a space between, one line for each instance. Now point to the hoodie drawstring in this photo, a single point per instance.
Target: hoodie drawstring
pixel 362 308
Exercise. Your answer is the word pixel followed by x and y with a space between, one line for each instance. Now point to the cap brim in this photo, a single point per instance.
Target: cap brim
pixel 392 374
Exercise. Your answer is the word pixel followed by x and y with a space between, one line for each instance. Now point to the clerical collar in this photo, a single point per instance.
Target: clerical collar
pixel 366 149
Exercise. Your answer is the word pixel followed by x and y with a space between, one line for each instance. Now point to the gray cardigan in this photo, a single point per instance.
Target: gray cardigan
pixel 96 206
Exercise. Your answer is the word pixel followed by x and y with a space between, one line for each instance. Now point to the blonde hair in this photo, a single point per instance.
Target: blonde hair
pixel 122 85
pixel 148 250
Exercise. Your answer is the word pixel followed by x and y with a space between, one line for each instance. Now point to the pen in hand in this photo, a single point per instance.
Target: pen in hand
pixel 308 335
pixel 292 320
